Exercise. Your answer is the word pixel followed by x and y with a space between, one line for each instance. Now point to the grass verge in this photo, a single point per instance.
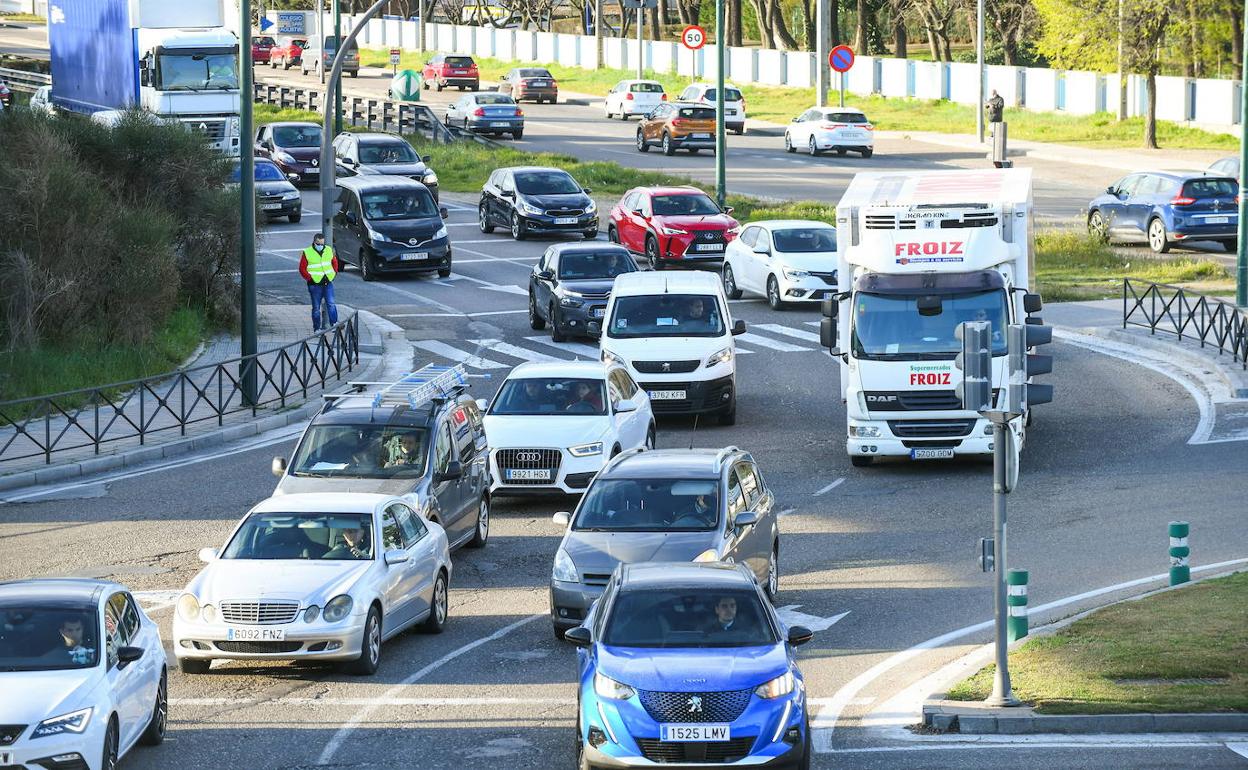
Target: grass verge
pixel 84 364
pixel 781 104
pixel 1179 651
pixel 1071 265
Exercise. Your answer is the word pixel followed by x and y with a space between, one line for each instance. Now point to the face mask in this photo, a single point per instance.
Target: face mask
pixel 319 247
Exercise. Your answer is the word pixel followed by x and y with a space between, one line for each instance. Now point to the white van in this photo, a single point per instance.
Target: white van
pixel 673 333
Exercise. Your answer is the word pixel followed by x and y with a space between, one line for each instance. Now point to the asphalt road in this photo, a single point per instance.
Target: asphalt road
pixel 1106 468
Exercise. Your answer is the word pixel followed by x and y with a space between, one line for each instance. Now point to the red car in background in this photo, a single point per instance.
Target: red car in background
pixel 261 49
pixel 288 52
pixel 672 226
pixel 445 70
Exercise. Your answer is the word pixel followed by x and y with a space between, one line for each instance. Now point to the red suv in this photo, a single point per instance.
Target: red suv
pixel 672 226
pixel 261 49
pixel 448 69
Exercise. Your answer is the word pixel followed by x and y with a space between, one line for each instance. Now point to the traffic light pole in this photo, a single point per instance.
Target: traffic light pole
pixel 336 75
pixel 1002 694
pixel 248 343
pixel 1241 262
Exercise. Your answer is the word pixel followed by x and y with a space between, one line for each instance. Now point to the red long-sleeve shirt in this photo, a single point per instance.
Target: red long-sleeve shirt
pixel 303 266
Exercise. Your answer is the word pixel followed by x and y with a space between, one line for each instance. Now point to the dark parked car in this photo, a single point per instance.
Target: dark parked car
pixel 275 195
pixel 1165 207
pixel 533 199
pixel 445 70
pixel 534 83
pixel 294 147
pixel 570 286
pixel 388 224
pixel 487 113
pixel 388 154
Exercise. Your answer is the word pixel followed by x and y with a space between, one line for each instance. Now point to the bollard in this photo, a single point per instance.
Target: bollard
pixel 1016 579
pixel 1180 572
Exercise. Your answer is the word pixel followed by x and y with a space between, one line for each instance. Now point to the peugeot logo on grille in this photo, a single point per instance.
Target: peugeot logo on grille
pixel 666 366
pixel 695 704
pixel 528 457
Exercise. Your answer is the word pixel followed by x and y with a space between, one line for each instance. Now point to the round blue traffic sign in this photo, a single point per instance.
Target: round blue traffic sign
pixel 841 58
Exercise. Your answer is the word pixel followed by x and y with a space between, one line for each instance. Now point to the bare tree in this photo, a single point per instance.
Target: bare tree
pixel 937 16
pixel 898 10
pixel 1011 19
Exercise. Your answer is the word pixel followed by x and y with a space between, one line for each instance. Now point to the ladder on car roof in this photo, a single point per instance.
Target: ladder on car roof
pixel 429 383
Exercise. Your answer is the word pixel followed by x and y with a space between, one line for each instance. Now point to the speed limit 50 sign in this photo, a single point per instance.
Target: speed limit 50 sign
pixel 693 37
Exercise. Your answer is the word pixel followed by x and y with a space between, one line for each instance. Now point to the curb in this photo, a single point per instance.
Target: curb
pixel 1229 380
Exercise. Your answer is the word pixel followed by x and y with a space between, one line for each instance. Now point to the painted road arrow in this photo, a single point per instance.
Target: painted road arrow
pixel 790 616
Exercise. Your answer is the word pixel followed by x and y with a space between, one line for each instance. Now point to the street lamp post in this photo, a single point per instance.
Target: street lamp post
pixel 721 138
pixel 822 39
pixel 1241 248
pixel 247 208
pixel 320 33
pixel 979 63
pixel 337 72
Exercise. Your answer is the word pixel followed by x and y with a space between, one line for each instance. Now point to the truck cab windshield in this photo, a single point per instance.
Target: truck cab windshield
pixel 889 327
pixel 197 71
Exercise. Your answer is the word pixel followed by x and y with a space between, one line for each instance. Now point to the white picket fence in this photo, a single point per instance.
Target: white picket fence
pixel 1210 103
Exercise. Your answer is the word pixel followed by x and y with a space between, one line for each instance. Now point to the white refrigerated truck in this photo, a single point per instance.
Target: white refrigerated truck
pixel 919 254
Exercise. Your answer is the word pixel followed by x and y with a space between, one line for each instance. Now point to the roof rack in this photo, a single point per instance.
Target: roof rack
pixel 431 382
pixel 722 454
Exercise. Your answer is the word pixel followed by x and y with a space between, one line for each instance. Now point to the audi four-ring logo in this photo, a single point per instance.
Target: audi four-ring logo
pixel 528 457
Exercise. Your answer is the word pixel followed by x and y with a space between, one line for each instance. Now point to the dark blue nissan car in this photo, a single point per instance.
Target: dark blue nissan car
pixel 687 665
pixel 1163 208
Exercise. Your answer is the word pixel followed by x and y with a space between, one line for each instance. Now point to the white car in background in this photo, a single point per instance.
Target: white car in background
pixel 734 103
pixel 630 98
pixel 784 260
pixel 325 576
pixel 831 128
pixel 82 674
pixel 553 426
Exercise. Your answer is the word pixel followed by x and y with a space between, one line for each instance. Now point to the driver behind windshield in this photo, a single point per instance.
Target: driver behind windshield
pixel 73 640
pixel 353 543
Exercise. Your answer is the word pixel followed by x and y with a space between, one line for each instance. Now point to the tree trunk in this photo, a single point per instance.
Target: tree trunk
pixel 1237 41
pixel 808 25
pixel 1150 117
pixel 779 29
pixel 764 29
pixel 860 32
pixel 658 17
pixel 931 42
pixel 834 21
pixel 1197 43
pixel 900 41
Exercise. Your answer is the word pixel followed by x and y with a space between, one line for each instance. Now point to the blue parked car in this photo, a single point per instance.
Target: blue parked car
pixel 686 664
pixel 1167 207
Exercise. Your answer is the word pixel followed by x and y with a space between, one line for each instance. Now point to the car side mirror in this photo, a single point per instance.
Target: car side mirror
pixel 348 161
pixel 579 636
pixel 396 557
pixel 1032 303
pixel 278 466
pixel 799 635
pixel 639 212
pixel 128 655
pixel 586 190
pixel 830 307
pixel 562 518
pixel 798 119
pixel 762 250
pixel 729 209
pixel 546 275
pixel 454 470
pixel 444 212
pixel 426 158
pixel 828 333
pixel 738 328
pixel 292 177
pixel 745 519
pixel 208 555
pixel 625 405
pixel 351 217
pixel 508 193
pixel 1111 190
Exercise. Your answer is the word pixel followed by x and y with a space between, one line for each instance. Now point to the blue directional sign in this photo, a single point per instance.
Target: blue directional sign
pixel 265 23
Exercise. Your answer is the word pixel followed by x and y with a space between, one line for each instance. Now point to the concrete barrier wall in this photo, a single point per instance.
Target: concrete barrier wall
pixel 740 63
pixel 1172 98
pixel 931 80
pixel 1217 101
pixel 770 68
pixel 963 83
pixel 893 76
pixel 613 53
pixel 1084 94
pixel 860 79
pixel 1041 89
pixel 663 57
pixel 799 69
pixel 1008 81
pixel 545 47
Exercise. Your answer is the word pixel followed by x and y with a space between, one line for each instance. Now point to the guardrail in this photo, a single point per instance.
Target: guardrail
pixel 1174 310
pixel 137 409
pixel 21 80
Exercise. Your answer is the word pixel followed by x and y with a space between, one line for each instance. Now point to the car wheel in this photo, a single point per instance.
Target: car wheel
pixel 193 666
pixel 591 235
pixel 559 632
pixel 370 646
pixel 606 108
pixel 612 235
pixel 652 252
pixel 773 294
pixel 154 734
pixel 811 147
pixel 556 331
pixel 694 150
pixel 788 143
pixel 517 135
pixel 807 749
pixel 730 283
pixel 861 461
pixel 517 228
pixel 623 115
pixel 108 760
pixel 1097 228
pixel 482 532
pixel 483 219
pixel 294 218
pixel 650 438
pixel 1158 241
pixel 366 272
pixel 535 320
pixel 438 607
pixel 668 147
pixel 840 151
pixel 437 85
pixel 444 272
pixel 773 573
pixel 642 144
pixel 729 415
pixel 424 84
pixel 1229 244
pixel 739 131
pixel 867 152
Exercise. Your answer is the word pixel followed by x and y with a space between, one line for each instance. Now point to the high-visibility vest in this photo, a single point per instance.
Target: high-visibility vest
pixel 320 265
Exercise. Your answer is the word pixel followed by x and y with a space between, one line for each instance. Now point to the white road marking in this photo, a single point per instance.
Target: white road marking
pixel 372 701
pixel 789 331
pixel 515 351
pixel 495 286
pixel 1239 748
pixel 790 617
pixel 830 487
pixel 787 512
pixel 577 348
pixel 766 342
pixel 813 323
pixel 454 315
pixel 439 348
pixel 363 714
pixel 461 224
pixel 419 298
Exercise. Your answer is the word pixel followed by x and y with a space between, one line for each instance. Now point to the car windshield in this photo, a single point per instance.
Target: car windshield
pixel 327 536
pixel 297 136
pixel 493 99
pixel 551 396
pixel 398 204
pixel 688 617
pixel 387 152
pixel 697 204
pixel 581 265
pixel 730 95
pixel 650 505
pixel 1210 188
pixel 43 637
pixel 800 240
pixel 846 117
pixel 361 451
pixel 666 315
pixel 646 88
pixel 199 71
pixel 265 172
pixel 546 183
pixel 890 326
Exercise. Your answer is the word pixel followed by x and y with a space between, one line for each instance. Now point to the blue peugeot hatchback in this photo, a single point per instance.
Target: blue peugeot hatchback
pixel 1167 207
pixel 686 664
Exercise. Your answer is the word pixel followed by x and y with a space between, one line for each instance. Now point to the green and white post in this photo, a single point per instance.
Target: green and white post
pixel 1180 572
pixel 1016 580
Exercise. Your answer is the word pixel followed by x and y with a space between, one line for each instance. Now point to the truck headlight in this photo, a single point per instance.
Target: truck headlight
pixel 794 275
pixel 606 687
pixel 781 685
pixel 234 125
pixel 719 357
pixel 188 607
pixel 586 450
pixel 73 722
pixel 565 568
pixel 337 608
pixel 864 431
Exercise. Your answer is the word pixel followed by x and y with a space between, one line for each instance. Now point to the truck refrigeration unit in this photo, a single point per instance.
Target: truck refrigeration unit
pixel 919 254
pixel 174 58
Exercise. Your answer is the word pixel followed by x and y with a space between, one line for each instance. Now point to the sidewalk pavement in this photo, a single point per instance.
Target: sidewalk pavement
pixel 383 347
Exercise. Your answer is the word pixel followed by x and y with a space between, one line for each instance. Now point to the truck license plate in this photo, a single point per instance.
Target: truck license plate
pixel 667 395
pixel 599 312
pixel 412 256
pixel 6 757
pixel 255 634
pixel 936 453
pixel 694 733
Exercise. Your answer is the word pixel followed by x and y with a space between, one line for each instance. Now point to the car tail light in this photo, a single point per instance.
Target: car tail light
pixel 472 70
pixel 1182 200
pixel 829 126
pixel 479 112
pixel 519 113
pixel 629 96
pixel 662 97
pixel 678 122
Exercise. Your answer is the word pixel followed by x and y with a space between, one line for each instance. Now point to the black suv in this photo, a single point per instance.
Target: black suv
pixel 434 454
pixel 390 225
pixel 382 154
pixel 531 200
pixel 570 286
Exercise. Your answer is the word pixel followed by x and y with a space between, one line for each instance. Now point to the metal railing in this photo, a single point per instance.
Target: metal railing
pixel 137 409
pixel 22 80
pixel 1173 309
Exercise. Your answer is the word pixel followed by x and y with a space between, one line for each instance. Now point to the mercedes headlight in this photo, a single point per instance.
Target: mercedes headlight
pixel 73 722
pixel 208 613
pixel 794 275
pixel 672 230
pixel 284 157
pixel 781 685
pixel 293 195
pixel 430 178
pixel 337 608
pixel 611 358
pixel 529 208
pixel 864 431
pixel 188 607
pixel 565 568
pixel 710 554
pixel 586 450
pixel 441 233
pixel 606 687
pixel 719 357
pixel 311 614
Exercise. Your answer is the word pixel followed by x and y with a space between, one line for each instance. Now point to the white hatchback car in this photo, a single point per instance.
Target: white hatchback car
pixel 82 674
pixel 784 260
pixel 326 576
pixel 831 128
pixel 734 103
pixel 553 426
pixel 633 97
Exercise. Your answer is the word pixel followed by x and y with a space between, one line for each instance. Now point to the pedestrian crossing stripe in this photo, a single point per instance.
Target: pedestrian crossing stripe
pixel 800 334
pixel 438 348
pixel 767 342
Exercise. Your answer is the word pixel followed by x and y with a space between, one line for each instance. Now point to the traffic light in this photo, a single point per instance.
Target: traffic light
pixel 975 363
pixel 1023 365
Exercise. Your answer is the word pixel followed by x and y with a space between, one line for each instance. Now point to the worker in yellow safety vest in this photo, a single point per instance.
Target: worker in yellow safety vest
pixel 319 267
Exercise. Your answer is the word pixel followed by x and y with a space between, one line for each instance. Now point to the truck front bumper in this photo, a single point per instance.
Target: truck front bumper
pixel 916 439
